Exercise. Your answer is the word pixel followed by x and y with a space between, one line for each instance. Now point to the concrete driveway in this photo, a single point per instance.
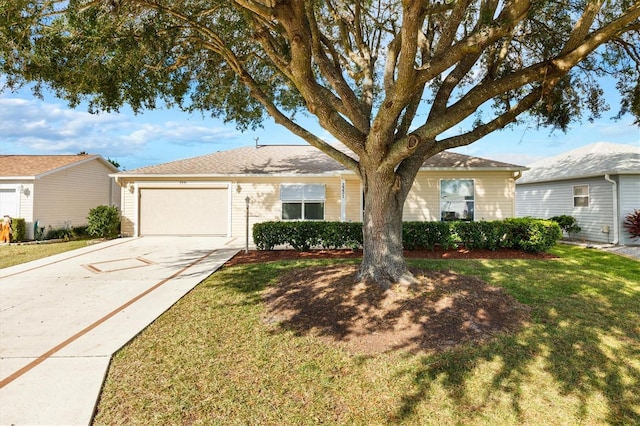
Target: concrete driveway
pixel 61 318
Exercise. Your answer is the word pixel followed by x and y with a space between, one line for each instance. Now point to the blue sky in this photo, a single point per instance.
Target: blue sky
pixel 33 126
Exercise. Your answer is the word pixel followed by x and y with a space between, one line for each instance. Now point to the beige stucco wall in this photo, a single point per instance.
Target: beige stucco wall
pixel 494 197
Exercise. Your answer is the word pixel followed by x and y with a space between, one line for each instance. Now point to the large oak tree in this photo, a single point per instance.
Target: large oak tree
pixel 386 78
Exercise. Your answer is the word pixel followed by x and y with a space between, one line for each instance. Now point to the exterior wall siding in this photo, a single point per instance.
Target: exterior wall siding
pixel 629 200
pixel 494 195
pixel 265 205
pixel 24 191
pixel 127 211
pixel 494 198
pixel 26 207
pixel 64 198
pixel 548 199
pixel 353 199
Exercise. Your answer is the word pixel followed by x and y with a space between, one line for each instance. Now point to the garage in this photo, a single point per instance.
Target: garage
pixel 184 211
pixel 9 201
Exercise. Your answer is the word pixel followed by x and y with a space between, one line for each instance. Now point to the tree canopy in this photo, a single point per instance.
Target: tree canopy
pixel 386 78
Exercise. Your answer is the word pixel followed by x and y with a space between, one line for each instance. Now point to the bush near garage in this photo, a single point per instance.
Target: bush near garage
pixel 18 229
pixel 527 234
pixel 104 222
pixel 66 233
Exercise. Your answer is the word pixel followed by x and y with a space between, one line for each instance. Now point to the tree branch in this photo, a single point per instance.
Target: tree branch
pixel 349 101
pixel 499 122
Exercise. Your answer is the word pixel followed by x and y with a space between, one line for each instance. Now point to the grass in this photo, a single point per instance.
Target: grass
pixel 212 360
pixel 15 254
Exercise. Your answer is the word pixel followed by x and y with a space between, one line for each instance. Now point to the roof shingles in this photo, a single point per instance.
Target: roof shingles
pixel 290 159
pixel 34 165
pixel 596 159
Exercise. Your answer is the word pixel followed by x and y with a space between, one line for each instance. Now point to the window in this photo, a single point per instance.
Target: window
pixel 581 196
pixel 302 201
pixel 457 199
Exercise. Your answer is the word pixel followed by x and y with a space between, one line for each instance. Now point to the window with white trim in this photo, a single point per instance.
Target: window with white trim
pixel 457 199
pixel 302 201
pixel 581 196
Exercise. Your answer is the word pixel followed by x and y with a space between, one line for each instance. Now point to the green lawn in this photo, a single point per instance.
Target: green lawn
pixel 212 360
pixel 15 254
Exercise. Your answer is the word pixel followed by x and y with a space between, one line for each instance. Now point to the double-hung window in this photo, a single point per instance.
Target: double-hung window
pixel 457 199
pixel 302 201
pixel 581 196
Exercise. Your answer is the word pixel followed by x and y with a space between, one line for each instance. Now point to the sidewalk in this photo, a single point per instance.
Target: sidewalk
pixel 628 251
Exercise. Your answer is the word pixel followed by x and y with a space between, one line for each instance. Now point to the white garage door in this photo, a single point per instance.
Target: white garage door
pixel 9 202
pixel 184 211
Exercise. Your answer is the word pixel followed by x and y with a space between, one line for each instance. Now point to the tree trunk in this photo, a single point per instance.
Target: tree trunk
pixel 383 261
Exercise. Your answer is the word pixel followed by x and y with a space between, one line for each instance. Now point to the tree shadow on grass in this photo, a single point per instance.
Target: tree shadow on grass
pixel 585 339
pixel 444 310
pixel 583 342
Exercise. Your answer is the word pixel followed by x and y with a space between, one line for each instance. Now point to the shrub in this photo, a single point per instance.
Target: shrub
pixel 533 235
pixel 481 235
pixel 341 234
pixel 104 222
pixel 302 235
pixel 428 235
pixel 632 223
pixel 79 231
pixel 64 233
pixel 267 235
pixel 567 223
pixel 18 229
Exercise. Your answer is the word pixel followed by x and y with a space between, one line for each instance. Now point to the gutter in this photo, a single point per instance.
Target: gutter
pixel 615 208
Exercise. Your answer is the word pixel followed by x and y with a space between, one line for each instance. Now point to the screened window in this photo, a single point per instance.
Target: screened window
pixel 581 196
pixel 457 199
pixel 302 201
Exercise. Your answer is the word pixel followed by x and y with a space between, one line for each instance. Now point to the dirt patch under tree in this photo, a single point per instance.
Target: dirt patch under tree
pixel 444 310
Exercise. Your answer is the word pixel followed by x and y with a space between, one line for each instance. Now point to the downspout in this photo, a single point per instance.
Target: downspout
pixel 616 219
pixel 517 175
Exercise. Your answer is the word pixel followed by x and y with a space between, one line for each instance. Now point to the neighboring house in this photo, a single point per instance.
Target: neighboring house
pixel 55 190
pixel 598 185
pixel 208 195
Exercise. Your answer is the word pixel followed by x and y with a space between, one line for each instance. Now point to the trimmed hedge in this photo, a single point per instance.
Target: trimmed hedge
pixel 18 229
pixel 528 234
pixel 302 235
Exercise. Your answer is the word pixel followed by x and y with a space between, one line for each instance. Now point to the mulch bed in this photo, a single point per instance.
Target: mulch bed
pixel 443 310
pixel 258 256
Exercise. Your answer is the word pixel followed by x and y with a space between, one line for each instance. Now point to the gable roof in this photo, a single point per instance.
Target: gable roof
pixel 592 160
pixel 291 160
pixel 35 166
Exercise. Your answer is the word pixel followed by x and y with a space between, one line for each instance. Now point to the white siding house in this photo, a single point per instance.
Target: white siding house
pixel 55 191
pixel 598 185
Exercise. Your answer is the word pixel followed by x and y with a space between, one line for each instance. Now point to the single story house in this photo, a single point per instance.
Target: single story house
pixel 598 185
pixel 210 194
pixel 55 191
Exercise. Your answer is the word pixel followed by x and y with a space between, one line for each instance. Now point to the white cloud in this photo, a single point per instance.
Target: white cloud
pixel 30 126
